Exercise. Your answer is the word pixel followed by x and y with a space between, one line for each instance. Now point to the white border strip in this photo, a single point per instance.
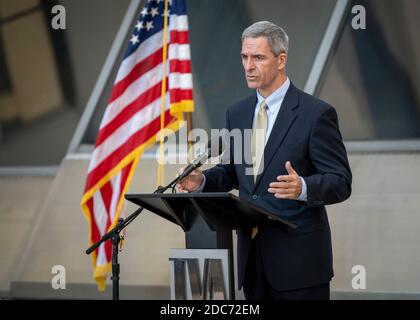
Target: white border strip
pixel 397 146
pixel 36 171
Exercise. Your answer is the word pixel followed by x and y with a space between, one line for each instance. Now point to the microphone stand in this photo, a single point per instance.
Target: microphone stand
pixel 114 233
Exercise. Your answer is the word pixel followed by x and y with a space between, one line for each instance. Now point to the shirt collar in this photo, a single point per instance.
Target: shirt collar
pixel 275 99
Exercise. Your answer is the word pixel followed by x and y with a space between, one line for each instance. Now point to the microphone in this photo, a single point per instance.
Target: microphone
pixel 215 148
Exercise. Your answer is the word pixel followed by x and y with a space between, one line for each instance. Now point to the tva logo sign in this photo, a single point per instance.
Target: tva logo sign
pixel 200 274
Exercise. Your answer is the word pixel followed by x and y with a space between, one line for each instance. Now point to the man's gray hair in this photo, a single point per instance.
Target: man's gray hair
pixel 277 37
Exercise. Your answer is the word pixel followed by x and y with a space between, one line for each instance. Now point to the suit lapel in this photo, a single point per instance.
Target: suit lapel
pixel 248 119
pixel 284 121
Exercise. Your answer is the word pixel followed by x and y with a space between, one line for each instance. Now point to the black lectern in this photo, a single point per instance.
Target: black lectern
pixel 207 218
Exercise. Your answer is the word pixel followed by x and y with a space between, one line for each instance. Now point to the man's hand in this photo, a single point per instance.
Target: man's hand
pixel 287 187
pixel 190 183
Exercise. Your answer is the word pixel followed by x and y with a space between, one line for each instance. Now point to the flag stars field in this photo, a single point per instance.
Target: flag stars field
pixel 144 12
pixel 149 25
pixel 154 12
pixel 134 39
pixel 139 25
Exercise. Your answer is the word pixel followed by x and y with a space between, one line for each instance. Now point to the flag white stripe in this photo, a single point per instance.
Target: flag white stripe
pixel 124 132
pixel 180 81
pixel 100 215
pixel 100 212
pixel 101 258
pixel 116 185
pixel 179 52
pixel 178 23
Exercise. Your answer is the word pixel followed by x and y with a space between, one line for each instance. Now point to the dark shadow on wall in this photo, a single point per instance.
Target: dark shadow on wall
pixel 215 32
pixel 5 83
pixel 62 55
pixel 391 93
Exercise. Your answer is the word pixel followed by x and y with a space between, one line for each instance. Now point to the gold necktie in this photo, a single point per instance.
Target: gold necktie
pixel 258 143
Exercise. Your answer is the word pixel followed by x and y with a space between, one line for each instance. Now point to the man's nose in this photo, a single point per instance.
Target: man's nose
pixel 249 64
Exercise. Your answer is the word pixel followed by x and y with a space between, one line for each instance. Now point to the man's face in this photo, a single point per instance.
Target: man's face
pixel 263 70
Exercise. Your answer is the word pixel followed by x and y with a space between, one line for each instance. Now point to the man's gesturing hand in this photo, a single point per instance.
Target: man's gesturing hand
pixel 190 183
pixel 287 187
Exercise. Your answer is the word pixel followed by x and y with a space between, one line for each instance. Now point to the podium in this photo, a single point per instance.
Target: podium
pixel 208 220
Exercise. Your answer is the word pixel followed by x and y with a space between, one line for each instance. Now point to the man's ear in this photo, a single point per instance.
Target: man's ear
pixel 282 61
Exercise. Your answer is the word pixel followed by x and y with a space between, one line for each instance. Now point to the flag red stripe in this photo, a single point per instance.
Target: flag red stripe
pixel 180 66
pixel 142 101
pixel 178 94
pixel 140 69
pixel 138 138
pixel 124 175
pixel 179 37
pixel 131 109
pixel 94 230
pixel 106 193
pixel 177 66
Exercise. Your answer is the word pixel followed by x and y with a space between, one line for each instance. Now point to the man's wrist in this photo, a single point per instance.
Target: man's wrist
pixel 304 193
pixel 201 187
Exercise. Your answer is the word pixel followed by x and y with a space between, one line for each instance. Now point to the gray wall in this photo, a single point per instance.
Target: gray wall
pixel 376 228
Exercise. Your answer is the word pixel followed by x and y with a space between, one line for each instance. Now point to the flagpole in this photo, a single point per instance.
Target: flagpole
pixel 190 127
pixel 160 172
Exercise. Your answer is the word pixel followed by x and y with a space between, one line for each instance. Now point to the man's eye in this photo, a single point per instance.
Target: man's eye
pixel 259 58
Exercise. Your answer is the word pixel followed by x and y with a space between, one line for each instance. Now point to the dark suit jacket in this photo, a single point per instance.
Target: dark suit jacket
pixel 305 132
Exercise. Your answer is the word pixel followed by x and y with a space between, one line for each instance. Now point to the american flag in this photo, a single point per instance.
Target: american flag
pixel 133 116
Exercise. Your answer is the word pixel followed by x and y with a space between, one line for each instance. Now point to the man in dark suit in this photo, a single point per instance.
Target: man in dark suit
pixel 299 165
